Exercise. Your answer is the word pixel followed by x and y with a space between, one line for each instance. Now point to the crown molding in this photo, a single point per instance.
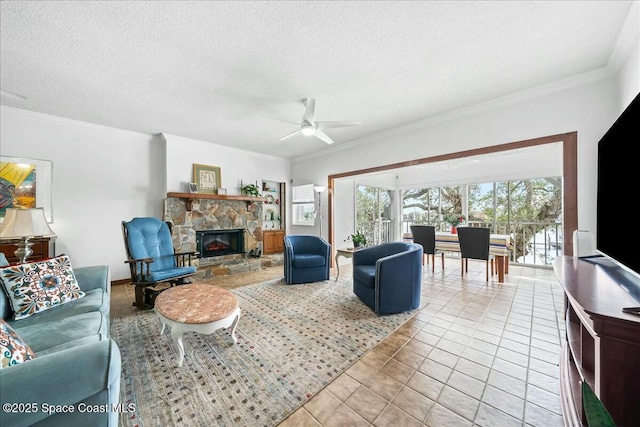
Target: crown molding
pixel 72 122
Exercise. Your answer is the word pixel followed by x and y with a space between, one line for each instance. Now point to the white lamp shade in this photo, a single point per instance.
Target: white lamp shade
pixel 25 223
pixel 319 188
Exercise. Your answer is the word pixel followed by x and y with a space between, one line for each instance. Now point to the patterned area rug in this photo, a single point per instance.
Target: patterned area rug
pixel 293 340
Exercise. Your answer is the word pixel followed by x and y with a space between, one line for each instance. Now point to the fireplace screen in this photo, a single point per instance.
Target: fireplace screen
pixel 212 243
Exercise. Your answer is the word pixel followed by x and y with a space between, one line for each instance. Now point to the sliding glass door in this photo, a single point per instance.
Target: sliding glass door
pixel 373 214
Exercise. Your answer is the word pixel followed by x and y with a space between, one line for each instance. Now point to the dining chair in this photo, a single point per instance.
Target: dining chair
pixel 474 244
pixel 425 235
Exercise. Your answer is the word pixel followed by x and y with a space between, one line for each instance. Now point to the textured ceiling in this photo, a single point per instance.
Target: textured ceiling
pixel 235 73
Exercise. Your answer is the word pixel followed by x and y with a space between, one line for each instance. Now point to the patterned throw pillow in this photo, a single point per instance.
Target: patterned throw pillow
pixel 13 349
pixel 39 286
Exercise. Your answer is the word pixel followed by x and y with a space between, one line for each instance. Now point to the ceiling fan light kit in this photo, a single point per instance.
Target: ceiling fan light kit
pixel 309 127
pixel 308 130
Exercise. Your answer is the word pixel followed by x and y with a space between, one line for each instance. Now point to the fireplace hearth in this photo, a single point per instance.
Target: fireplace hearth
pixel 212 243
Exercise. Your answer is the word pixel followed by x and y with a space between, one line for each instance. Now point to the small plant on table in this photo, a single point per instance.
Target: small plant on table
pixel 357 239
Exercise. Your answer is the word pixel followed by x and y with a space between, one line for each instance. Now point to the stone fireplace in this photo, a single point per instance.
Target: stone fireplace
pixel 235 220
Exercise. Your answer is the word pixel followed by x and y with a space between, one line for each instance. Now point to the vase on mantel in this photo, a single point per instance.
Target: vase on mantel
pixel 454 229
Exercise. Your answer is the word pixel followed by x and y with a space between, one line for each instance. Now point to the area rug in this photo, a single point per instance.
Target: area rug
pixel 293 340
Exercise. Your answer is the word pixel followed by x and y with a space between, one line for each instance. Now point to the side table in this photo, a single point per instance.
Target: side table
pixel 347 253
pixel 197 307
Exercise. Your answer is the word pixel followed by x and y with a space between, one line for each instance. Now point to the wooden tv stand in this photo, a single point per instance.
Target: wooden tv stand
pixel 602 343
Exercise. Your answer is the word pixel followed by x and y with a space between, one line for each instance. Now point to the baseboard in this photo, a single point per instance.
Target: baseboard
pixel 120 282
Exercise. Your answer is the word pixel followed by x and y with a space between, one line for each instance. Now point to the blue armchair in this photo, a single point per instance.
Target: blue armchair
pixel 307 259
pixel 152 259
pixel 388 277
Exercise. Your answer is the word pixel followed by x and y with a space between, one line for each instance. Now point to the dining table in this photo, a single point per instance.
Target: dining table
pixel 500 246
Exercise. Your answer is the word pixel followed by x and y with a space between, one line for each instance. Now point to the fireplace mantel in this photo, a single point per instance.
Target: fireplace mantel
pixel 190 197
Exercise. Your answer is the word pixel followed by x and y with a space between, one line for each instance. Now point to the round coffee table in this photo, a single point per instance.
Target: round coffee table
pixel 197 307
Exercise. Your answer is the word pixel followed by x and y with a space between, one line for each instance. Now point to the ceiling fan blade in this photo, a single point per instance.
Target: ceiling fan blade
pixel 290 135
pixel 329 125
pixel 323 136
pixel 310 109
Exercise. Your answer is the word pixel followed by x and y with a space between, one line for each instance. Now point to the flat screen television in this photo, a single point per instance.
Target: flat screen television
pixel 618 218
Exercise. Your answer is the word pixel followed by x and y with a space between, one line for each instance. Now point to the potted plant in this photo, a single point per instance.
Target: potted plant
pixel 454 221
pixel 357 239
pixel 250 190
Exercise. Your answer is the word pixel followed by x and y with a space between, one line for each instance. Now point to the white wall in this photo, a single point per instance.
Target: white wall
pixel 235 165
pixel 103 176
pixel 344 201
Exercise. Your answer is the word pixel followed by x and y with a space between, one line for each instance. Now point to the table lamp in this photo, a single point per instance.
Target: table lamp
pixel 24 224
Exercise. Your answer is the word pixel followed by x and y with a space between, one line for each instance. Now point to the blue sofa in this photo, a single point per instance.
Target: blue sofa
pixel 388 277
pixel 307 259
pixel 77 366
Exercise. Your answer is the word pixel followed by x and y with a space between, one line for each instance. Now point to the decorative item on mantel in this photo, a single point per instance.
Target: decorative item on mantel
pixel 250 190
pixel 207 178
pixel 454 221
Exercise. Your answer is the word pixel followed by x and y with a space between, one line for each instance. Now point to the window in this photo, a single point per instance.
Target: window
pixel 529 209
pixel 304 212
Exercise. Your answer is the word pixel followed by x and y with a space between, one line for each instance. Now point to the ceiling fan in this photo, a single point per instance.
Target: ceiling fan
pixel 309 127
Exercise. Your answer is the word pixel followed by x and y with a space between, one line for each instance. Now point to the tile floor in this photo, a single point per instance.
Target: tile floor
pixel 476 353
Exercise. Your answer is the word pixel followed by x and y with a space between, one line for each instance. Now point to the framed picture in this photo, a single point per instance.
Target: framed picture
pixel 222 190
pixel 193 187
pixel 25 183
pixel 207 178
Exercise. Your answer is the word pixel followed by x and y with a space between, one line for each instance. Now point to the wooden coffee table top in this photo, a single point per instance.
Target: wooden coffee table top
pixel 196 303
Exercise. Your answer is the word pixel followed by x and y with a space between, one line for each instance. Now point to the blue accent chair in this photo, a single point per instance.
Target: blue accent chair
pixel 152 258
pixel 307 259
pixel 388 277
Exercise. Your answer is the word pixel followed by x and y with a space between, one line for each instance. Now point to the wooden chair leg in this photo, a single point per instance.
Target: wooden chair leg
pixel 139 302
pixel 433 263
pixel 486 269
pixel 442 261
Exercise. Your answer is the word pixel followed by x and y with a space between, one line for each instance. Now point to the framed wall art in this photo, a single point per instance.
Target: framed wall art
pixel 207 178
pixel 25 183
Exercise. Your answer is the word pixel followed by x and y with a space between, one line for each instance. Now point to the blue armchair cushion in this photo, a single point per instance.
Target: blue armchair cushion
pixel 308 260
pixel 365 274
pixel 13 349
pixel 38 286
pixel 151 238
pixel 160 275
